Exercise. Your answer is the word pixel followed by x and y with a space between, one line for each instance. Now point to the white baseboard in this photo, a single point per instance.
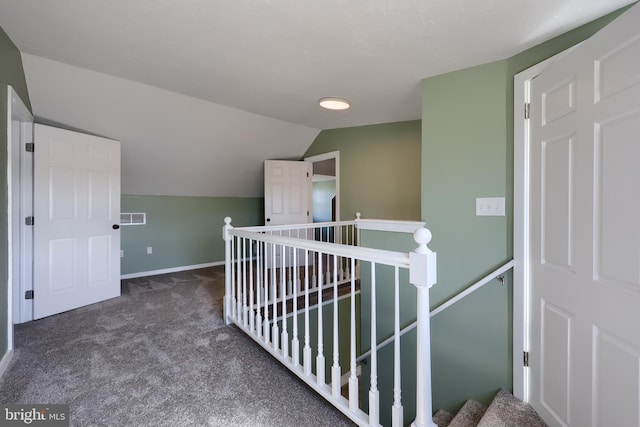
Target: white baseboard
pixel 4 363
pixel 170 270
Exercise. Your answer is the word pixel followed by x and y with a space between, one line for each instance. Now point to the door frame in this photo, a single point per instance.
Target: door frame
pixel 16 111
pixel 521 186
pixel 326 156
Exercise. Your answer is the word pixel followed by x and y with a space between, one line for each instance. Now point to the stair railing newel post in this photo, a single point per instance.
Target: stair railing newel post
pixel 422 274
pixel 226 235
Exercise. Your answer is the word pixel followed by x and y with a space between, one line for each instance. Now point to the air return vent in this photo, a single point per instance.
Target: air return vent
pixel 133 218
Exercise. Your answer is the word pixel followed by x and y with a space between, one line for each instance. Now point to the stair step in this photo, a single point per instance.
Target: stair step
pixel 469 415
pixel 442 418
pixel 507 410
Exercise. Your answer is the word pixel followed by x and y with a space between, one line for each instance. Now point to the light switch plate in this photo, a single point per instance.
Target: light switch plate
pixel 490 206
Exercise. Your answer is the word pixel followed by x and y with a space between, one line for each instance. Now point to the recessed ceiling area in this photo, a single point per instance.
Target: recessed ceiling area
pixel 189 86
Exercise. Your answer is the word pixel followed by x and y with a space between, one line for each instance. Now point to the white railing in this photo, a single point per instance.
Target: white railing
pixel 296 293
pixel 448 303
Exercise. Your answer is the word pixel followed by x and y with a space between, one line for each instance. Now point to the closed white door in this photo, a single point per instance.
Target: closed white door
pixel 585 232
pixel 77 211
pixel 288 192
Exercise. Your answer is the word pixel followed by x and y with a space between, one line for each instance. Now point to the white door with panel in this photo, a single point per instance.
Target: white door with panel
pixel 585 232
pixel 288 199
pixel 288 192
pixel 77 211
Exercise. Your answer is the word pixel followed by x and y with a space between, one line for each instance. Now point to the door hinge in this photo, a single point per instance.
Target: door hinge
pixel 526 359
pixel 28 295
pixel 307 174
pixel 307 213
pixel 527 110
pixel 29 147
pixel 29 220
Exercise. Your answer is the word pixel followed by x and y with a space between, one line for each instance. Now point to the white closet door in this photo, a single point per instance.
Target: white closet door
pixel 77 215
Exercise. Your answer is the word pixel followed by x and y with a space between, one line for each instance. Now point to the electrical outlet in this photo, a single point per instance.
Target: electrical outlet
pixel 121 253
pixel 149 250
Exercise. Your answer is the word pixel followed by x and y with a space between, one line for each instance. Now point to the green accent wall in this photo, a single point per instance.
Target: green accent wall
pixel 182 231
pixel 379 169
pixel 11 73
pixel 467 152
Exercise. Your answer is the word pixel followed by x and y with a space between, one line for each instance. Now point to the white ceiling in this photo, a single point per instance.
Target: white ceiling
pixel 272 58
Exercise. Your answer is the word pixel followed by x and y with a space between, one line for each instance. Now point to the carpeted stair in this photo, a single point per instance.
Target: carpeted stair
pixel 504 411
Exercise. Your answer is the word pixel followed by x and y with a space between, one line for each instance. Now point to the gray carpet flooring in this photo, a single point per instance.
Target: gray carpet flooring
pixel 159 355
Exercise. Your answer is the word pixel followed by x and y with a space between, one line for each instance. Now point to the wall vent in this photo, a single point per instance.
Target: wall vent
pixel 139 218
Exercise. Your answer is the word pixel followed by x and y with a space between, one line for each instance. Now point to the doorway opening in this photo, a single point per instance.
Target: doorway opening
pixel 326 188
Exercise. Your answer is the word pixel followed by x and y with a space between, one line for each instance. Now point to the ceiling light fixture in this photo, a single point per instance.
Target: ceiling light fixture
pixel 334 103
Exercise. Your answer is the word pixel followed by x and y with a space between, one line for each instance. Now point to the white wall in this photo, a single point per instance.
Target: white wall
pixel 172 144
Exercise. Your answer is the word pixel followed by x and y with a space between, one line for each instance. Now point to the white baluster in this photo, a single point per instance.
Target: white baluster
pixel 295 343
pixel 285 334
pixel 353 377
pixel 239 279
pixel 228 269
pixel 234 296
pixel 259 280
pixel 335 369
pixel 244 282
pixel 422 274
pixel 306 351
pixel 320 356
pixel 252 313
pixel 374 395
pixel 397 411
pixel 275 334
pixel 265 325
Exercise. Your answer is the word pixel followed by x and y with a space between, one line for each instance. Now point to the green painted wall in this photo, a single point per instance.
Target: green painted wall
pixel 182 231
pixel 11 73
pixel 467 152
pixel 379 169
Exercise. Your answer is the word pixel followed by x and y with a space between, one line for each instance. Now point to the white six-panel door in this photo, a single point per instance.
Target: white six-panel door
pixel 288 192
pixel 77 205
pixel 585 232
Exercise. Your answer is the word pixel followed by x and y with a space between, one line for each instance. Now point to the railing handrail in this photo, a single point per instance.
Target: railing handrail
pixel 477 285
pixel 249 286
pixel 448 303
pixel 378 256
pixel 301 226
pixel 398 226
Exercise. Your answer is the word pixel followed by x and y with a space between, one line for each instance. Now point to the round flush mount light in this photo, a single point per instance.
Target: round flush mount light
pixel 334 103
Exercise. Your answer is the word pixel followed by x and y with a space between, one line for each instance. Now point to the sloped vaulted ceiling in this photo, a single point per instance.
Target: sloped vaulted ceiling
pixel 200 92
pixel 172 144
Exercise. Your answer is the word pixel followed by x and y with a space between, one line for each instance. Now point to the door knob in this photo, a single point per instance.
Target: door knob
pixel 115 226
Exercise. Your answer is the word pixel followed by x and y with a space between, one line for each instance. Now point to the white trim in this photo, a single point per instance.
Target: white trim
pixel 389 225
pixel 398 259
pixel 6 360
pixel 9 231
pixel 21 309
pixel 522 85
pixel 326 156
pixel 170 270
